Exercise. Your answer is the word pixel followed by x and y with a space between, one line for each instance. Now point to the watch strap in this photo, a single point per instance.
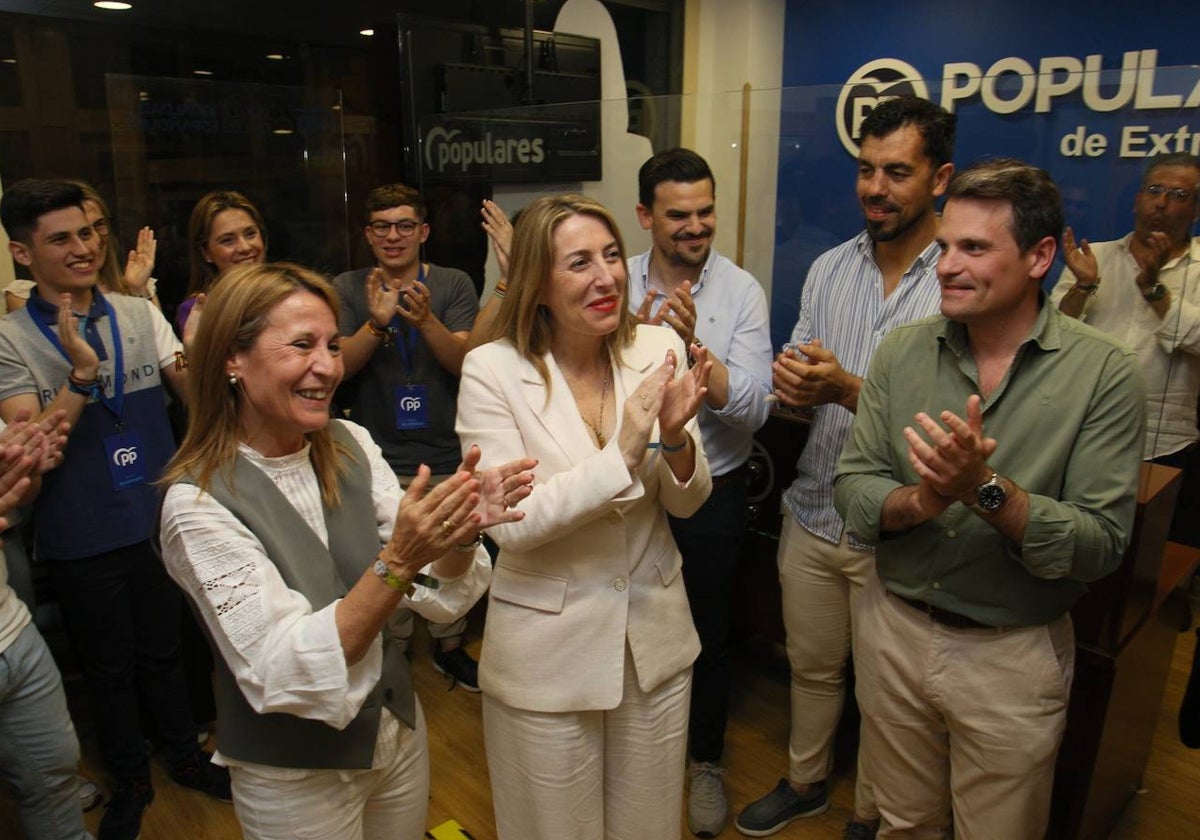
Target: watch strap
pixel 404 587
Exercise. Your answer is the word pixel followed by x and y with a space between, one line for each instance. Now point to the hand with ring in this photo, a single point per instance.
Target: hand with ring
pixel 430 522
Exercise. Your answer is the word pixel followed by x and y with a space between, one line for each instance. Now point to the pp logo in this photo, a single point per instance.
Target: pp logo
pixel 443 142
pixel 124 456
pixel 875 81
pixel 410 403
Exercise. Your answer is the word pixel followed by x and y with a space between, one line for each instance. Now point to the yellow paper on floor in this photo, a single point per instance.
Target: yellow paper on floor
pixel 449 830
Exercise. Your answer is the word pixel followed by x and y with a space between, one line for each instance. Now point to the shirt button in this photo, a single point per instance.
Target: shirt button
pixel 937 585
pixel 951 534
pixel 619 584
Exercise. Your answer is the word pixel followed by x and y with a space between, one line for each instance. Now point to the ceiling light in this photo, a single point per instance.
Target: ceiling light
pixel 275 56
pixel 202 72
pixel 367 32
pixel 112 5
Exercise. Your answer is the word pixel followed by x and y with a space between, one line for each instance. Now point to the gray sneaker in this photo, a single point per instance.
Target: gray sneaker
pixel 858 831
pixel 708 809
pixel 780 807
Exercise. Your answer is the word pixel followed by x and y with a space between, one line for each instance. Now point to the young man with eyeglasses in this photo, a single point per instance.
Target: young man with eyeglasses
pixel 406 324
pixel 1144 290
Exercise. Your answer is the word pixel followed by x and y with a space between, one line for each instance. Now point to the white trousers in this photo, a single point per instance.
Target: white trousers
pixel 592 775
pixel 960 721
pixel 387 802
pixel 821 583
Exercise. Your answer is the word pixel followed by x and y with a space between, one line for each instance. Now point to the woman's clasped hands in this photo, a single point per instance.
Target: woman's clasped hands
pixel 452 515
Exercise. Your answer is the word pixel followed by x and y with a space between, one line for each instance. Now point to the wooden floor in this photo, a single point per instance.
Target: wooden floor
pixel 1168 807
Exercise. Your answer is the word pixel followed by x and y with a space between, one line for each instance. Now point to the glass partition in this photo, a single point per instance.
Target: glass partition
pixel 172 140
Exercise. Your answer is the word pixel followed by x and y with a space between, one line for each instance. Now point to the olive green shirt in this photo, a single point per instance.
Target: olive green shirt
pixel 1068 418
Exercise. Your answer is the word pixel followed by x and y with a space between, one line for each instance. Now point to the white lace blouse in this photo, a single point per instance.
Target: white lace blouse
pixel 285 657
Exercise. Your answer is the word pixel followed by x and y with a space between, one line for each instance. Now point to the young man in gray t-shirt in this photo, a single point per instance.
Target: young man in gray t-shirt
pixel 406 324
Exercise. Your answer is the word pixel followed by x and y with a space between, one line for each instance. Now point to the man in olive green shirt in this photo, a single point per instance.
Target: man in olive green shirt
pixel 994 463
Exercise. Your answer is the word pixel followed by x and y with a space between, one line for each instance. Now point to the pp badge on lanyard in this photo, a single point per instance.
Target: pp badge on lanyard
pixel 410 400
pixel 125 463
pixel 411 412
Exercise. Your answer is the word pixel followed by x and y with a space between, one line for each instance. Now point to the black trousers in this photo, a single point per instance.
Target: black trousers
pixel 1185 523
pixel 711 544
pixel 121 611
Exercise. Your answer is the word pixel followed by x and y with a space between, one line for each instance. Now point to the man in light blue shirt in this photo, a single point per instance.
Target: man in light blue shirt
pixel 854 294
pixel 683 282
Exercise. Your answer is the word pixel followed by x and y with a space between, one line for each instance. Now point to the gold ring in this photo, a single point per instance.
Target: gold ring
pixel 448 527
pixel 645 403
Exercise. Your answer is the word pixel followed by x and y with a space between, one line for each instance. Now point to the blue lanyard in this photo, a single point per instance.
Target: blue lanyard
pixel 117 402
pixel 405 338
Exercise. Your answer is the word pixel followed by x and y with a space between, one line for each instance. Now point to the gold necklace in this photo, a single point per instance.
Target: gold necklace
pixel 598 426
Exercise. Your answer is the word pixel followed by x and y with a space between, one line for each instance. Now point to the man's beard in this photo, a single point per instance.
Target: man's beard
pixel 687 258
pixel 879 232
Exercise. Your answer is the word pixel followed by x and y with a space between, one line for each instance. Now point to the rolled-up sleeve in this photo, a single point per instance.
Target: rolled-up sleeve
pixel 1082 534
pixel 865 473
pixel 749 365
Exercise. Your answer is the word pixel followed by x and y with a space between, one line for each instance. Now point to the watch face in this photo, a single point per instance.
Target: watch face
pixel 1157 292
pixel 990 496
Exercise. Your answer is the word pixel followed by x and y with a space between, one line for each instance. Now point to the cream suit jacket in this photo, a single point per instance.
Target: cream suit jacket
pixel 593 565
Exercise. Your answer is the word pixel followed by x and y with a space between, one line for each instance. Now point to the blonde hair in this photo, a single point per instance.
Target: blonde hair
pixel 235 314
pixel 523 318
pixel 212 204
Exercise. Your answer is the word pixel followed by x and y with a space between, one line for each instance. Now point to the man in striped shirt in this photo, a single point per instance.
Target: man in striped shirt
pixel 853 295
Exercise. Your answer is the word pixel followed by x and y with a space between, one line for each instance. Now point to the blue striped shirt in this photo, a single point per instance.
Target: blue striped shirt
pixel 843 305
pixel 731 320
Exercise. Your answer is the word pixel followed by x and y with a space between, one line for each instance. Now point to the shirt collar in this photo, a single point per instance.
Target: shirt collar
pixel 925 260
pixel 642 268
pixel 47 312
pixel 1046 332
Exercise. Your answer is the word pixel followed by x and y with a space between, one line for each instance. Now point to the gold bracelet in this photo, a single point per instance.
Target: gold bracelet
pixel 376 330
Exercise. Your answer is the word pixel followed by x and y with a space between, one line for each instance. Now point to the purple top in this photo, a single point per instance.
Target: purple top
pixel 182 313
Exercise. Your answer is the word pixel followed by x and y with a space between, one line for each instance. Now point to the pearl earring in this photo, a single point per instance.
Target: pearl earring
pixel 233 380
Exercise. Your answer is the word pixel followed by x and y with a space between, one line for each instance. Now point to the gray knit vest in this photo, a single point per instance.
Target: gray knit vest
pixel 321 575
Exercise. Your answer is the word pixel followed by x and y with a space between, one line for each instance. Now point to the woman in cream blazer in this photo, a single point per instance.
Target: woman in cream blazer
pixel 587 653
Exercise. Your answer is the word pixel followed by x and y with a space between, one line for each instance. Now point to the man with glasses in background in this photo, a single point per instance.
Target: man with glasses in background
pixel 1144 290
pixel 406 324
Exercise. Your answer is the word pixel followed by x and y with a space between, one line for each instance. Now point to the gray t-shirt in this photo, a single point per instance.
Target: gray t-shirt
pixel 371 395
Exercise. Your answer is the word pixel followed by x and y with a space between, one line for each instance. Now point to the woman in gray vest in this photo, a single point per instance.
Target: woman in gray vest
pixel 290 535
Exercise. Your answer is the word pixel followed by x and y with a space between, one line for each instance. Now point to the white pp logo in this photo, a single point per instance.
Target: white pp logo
pixel 410 403
pixel 124 456
pixel 875 81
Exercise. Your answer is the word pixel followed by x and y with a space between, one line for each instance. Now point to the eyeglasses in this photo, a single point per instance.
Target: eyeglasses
pixel 404 227
pixel 1176 194
pixel 100 226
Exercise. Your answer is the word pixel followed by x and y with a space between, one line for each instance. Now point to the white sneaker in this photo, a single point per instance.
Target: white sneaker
pixel 89 793
pixel 708 808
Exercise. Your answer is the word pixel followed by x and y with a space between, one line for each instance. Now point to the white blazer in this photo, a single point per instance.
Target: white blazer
pixel 592 566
